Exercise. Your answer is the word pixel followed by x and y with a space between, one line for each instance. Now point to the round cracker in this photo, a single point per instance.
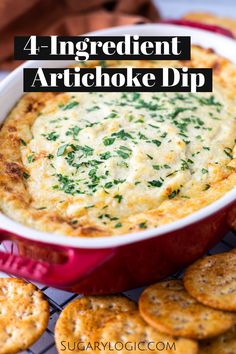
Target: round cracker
pixel 80 320
pixel 224 344
pixel 24 315
pixel 212 281
pixel 169 308
pixel 127 332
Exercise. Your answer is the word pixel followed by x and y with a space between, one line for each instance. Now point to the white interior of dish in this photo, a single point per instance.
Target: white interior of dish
pixel 11 89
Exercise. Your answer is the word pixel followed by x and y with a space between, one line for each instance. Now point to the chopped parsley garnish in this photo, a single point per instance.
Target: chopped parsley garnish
pixel 122 135
pixel 67 185
pixel 179 110
pixel 141 103
pixel 154 126
pixel 112 115
pixel 62 150
pixel 26 175
pixel 143 225
pixel 74 131
pixel 108 216
pixel 207 186
pixel 172 173
pixel 118 181
pixel 108 185
pixel 135 96
pixel 228 151
pixel 123 152
pixel 156 142
pixel 159 167
pixel 173 194
pixel 92 109
pixel 142 136
pixel 105 155
pixel 184 165
pixel 108 141
pixel 155 183
pixel 30 158
pixel 211 101
pixel 70 105
pixel 23 142
pixel 53 136
pixel 86 150
pixel 156 167
pixel 118 197
pixel 122 164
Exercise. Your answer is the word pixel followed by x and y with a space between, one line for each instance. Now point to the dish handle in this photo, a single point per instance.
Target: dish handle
pixel 77 262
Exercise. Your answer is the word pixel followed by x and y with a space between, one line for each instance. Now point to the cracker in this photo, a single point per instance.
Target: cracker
pixel 169 308
pixel 81 319
pixel 24 315
pixel 212 19
pixel 212 281
pixel 224 344
pixel 129 333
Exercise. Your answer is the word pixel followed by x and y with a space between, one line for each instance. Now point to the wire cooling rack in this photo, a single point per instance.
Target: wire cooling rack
pixel 58 299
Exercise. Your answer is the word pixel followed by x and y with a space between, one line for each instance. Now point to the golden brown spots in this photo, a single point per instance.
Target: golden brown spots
pixel 41 155
pixel 88 230
pixel 30 107
pixel 210 51
pixel 13 169
pixel 11 128
pixel 58 219
pixel 217 66
pixel 5 187
pixel 185 62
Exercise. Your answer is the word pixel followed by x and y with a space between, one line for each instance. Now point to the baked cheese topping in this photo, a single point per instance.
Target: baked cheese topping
pixel 108 156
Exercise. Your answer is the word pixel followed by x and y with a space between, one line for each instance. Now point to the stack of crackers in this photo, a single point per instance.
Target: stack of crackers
pixel 189 316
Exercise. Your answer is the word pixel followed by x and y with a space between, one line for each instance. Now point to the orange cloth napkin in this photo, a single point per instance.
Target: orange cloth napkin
pixel 65 17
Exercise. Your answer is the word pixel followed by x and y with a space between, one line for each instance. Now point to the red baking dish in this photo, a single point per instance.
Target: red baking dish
pixel 113 264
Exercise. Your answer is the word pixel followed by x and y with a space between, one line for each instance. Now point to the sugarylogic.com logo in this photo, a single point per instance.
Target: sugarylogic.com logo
pixel 142 346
